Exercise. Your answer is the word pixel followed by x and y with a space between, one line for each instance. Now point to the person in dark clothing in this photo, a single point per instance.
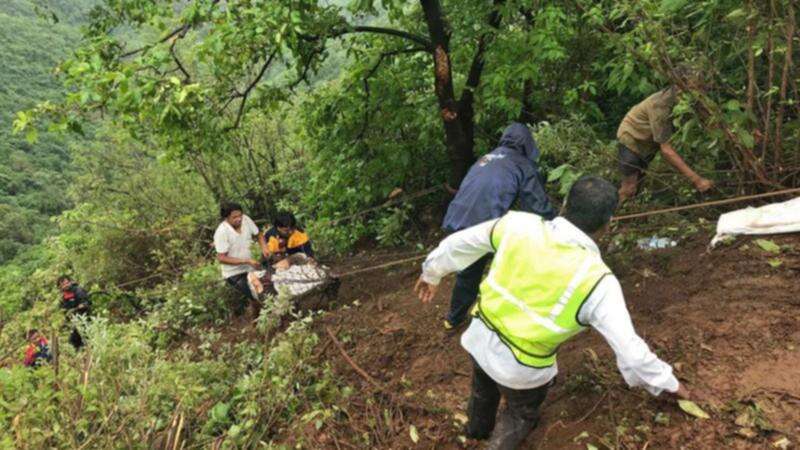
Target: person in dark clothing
pixel 285 239
pixel 38 350
pixel 493 184
pixel 75 302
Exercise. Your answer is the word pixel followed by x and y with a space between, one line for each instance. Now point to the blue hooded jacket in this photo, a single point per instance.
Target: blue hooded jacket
pixel 499 178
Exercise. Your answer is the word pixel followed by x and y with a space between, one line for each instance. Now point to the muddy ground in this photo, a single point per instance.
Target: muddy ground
pixel 728 320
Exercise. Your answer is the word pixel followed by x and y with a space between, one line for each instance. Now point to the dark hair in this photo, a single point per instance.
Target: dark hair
pixel 61 279
pixel 227 208
pixel 31 333
pixel 591 203
pixel 284 219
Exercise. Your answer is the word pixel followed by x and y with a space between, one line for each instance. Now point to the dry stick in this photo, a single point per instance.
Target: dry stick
pixel 99 429
pixel 787 65
pixel 56 351
pixel 705 204
pixel 178 434
pixel 591 411
pixel 751 58
pixel 770 75
pixel 352 363
pixel 392 397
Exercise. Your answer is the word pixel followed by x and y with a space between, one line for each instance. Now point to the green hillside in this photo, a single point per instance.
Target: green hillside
pixel 33 178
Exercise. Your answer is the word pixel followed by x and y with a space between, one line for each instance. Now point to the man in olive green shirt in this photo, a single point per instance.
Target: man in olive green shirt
pixel 644 132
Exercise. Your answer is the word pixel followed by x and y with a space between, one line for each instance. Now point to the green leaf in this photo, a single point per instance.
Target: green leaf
pixel 691 408
pixel 556 173
pixel 580 437
pixel 732 105
pixel 32 136
pixel 412 431
pixel 775 262
pixel 768 246
pixel 671 6
pixel 591 447
pixel 220 411
pixel 736 14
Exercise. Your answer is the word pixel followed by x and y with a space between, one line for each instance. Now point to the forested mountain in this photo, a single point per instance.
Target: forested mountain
pixel 33 175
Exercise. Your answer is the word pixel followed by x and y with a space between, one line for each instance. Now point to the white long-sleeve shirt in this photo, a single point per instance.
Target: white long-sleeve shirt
pixel 604 310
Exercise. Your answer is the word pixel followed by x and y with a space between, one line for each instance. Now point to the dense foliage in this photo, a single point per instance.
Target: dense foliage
pixel 331 110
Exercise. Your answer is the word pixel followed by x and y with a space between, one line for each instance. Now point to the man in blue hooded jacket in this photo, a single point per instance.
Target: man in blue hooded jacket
pixel 498 179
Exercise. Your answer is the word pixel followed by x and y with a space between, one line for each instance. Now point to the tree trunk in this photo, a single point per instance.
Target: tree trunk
pixel 751 59
pixel 767 129
pixel 459 146
pixel 458 116
pixel 785 75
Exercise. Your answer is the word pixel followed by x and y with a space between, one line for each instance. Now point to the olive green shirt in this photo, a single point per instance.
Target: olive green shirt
pixel 648 124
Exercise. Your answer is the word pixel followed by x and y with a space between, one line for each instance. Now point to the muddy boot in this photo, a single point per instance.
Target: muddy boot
pixel 519 418
pixel 511 430
pixel 482 407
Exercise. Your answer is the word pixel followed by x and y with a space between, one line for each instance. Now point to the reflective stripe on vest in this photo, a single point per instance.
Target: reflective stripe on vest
pixel 535 288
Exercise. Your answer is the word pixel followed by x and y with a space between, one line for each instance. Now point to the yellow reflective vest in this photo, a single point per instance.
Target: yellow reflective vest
pixel 535 288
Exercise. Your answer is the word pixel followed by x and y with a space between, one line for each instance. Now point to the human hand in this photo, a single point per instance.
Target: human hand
pixel 425 291
pixel 254 264
pixel 703 184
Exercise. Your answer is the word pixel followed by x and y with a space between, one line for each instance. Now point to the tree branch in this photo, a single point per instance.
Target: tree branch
pixel 186 75
pixel 246 93
pixel 306 67
pixel 180 30
pixel 369 75
pixel 421 40
pixel 476 68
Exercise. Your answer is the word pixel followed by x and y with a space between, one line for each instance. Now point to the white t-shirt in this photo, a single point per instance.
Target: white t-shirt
pixel 235 244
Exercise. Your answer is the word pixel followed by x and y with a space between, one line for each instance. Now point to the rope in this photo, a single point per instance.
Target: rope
pixel 704 204
pixel 388 203
pixel 382 266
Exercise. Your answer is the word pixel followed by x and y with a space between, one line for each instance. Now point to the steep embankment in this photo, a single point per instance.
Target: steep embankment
pixel 727 319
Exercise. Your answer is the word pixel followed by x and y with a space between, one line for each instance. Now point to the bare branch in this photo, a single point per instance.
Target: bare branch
pixel 421 40
pixel 476 69
pixel 180 30
pixel 369 75
pixel 246 93
pixel 186 75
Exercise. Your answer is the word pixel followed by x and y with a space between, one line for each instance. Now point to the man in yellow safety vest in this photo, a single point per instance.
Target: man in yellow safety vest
pixel 547 283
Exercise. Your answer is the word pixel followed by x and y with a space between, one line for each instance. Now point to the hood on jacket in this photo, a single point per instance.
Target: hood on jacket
pixel 517 137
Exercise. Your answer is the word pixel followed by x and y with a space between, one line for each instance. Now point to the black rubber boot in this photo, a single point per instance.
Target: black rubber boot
pixel 510 431
pixel 483 402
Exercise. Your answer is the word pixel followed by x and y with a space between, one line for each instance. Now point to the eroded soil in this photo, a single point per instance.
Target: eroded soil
pixel 727 320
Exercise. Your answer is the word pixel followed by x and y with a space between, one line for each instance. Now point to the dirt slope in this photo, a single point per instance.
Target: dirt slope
pixel 728 320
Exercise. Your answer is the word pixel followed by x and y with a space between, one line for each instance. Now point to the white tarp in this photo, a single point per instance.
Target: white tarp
pixel 293 281
pixel 299 279
pixel 768 219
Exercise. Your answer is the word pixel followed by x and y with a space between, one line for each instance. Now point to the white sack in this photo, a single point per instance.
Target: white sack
pixel 768 219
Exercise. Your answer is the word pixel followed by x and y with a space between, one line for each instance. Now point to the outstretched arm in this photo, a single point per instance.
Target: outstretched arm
pixel 702 184
pixel 457 252
pixel 606 312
